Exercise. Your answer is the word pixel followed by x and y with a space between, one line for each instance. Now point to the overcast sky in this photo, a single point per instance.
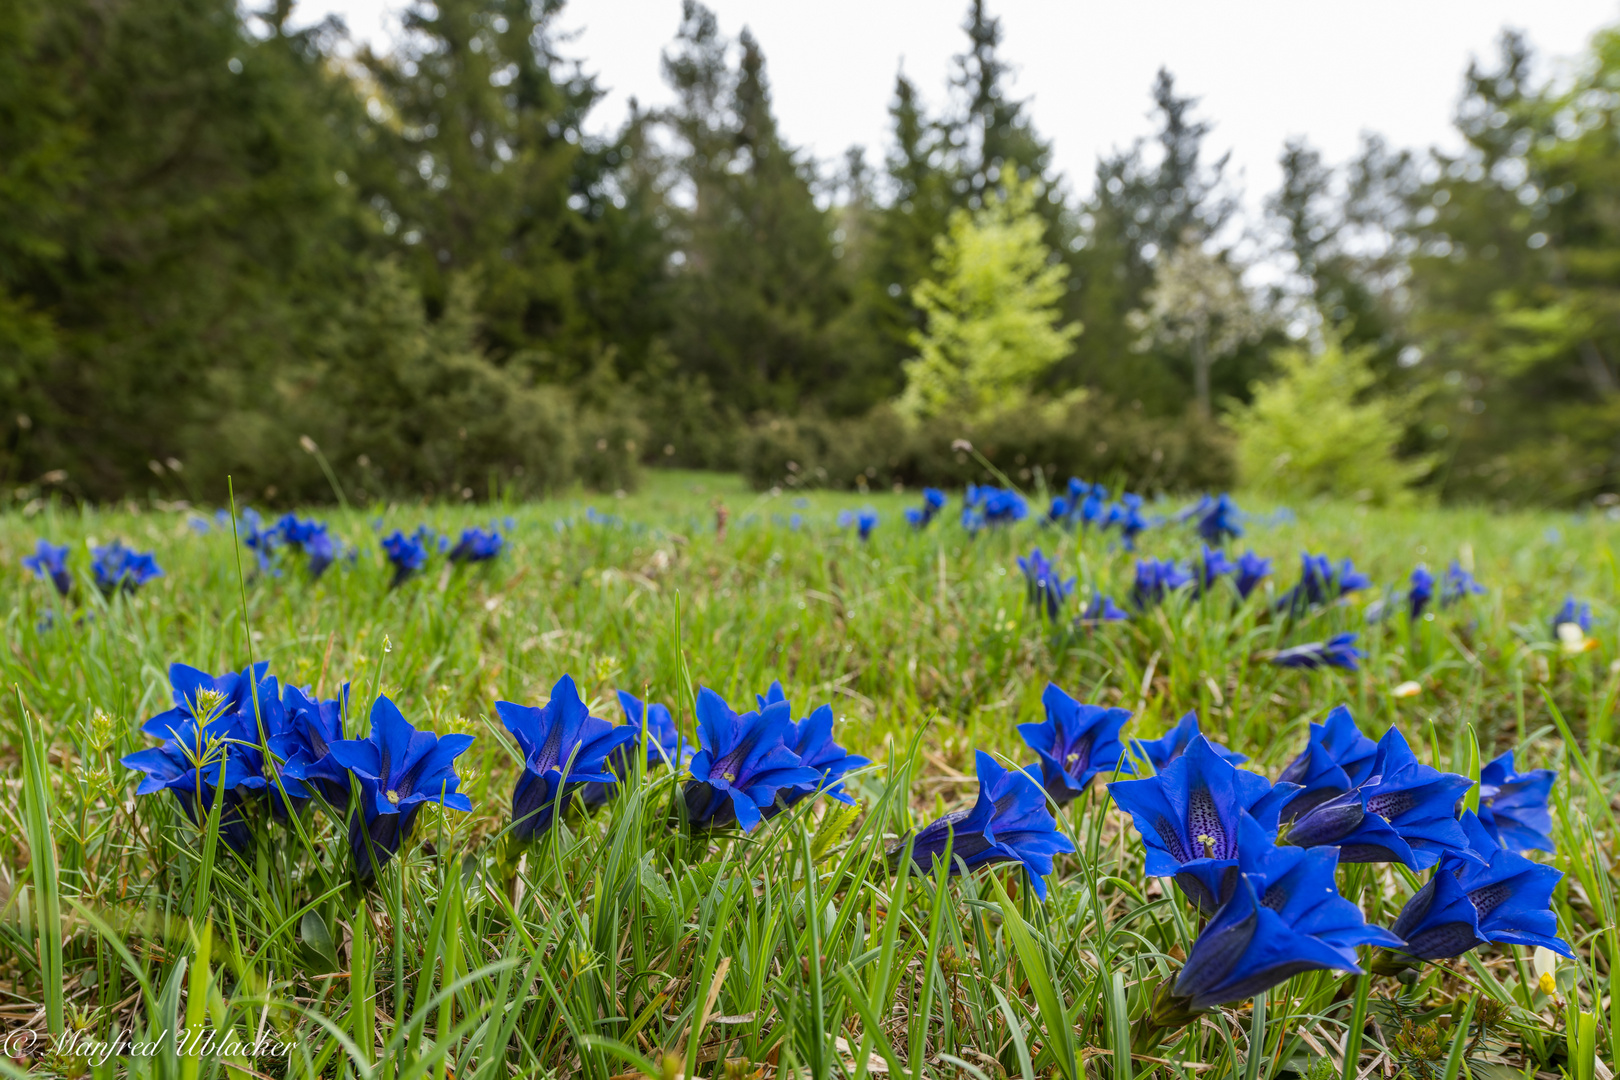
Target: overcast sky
pixel 1264 69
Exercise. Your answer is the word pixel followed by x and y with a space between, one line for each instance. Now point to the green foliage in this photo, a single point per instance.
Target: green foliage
pixel 1316 430
pixel 1088 438
pixel 991 311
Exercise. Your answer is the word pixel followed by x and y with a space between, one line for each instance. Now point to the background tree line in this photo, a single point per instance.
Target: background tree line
pixel 218 235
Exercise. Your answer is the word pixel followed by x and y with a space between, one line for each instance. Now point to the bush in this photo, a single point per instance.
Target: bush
pixel 1090 439
pixel 1318 429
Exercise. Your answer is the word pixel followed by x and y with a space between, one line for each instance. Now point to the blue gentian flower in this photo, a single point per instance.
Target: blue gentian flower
pixel 1458 585
pixel 1338 651
pixel 742 764
pixel 476 545
pixel 199 525
pixel 118 567
pixel 1337 758
pixel 1320 583
pixel 1173 743
pixel 1046 587
pixel 1213 565
pixel 1155 579
pixel 933 503
pixel 1404 812
pixel 664 746
pixel 407 553
pixel 1188 817
pixel 1076 742
pixel 49 563
pixel 1251 570
pixel 1419 593
pixel 1579 614
pixel 260 540
pixel 1218 520
pixel 310 537
pixel 1130 520
pixel 865 522
pixel 987 505
pixel 1513 805
pixel 1093 508
pixel 305 740
pixel 564 748
pixel 1078 490
pixel 812 740
pixel 1285 917
pixel 1009 822
pixel 399 770
pixel 211 745
pixel 1501 897
pixel 1058 513
pixel 1103 609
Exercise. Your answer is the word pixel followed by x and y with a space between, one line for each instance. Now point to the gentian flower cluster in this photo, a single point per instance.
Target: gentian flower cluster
pixel 1458 584
pixel 564 748
pixel 117 567
pixel 1212 566
pixel 1156 579
pixel 49 563
pixel 1251 571
pixel 1174 743
pixel 1218 518
pixel 310 537
pixel 1419 593
pixel 1127 514
pixel 1572 614
pixel 477 545
pixel 1102 609
pixel 1047 589
pixel 1320 583
pixel 919 517
pixel 743 763
pixel 986 506
pixel 407 553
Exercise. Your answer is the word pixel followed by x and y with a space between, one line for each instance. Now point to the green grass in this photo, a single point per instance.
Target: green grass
pixel 618 945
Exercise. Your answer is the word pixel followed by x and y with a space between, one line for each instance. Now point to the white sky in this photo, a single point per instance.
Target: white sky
pixel 1265 69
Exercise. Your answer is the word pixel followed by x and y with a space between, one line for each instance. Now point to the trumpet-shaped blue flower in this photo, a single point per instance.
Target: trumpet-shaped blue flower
pixel 477 545
pixel 1320 583
pixel 1009 822
pixel 1404 812
pixel 407 553
pixel 1173 743
pixel 310 537
pixel 1578 613
pixel 305 740
pixel 1502 897
pixel 1188 816
pixel 399 770
pixel 1513 805
pixel 983 506
pixel 1337 758
pixel 564 748
pixel 1458 584
pixel 663 746
pixel 1128 516
pixel 260 540
pixel 1156 579
pixel 865 522
pixel 1212 566
pixel 1093 508
pixel 1251 571
pixel 812 740
pixel 49 563
pixel 1218 519
pixel 1419 593
pixel 118 567
pixel 1102 609
pixel 1059 512
pixel 1285 916
pixel 933 503
pixel 1076 742
pixel 742 764
pixel 1337 651
pixel 1047 589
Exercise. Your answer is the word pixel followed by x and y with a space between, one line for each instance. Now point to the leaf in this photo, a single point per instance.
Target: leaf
pixel 834 825
pixel 313 932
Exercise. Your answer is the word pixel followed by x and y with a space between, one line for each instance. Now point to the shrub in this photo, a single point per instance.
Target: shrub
pixel 1088 438
pixel 1317 429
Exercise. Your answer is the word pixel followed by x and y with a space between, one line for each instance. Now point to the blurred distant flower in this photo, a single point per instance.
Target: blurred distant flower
pixel 476 545
pixel 1075 742
pixel 1458 584
pixel 1338 651
pixel 1404 812
pixel 118 567
pixel 1513 805
pixel 865 522
pixel 742 763
pixel 1419 593
pixel 987 505
pixel 1046 587
pixel 1574 614
pixel 1092 508
pixel 933 503
pixel 1173 743
pixel 260 540
pixel 49 563
pixel 1409 688
pixel 310 537
pixel 1213 565
pixel 1500 896
pixel 1103 609
pixel 1010 822
pixel 796 522
pixel 1058 513
pixel 564 747
pixel 1127 514
pixel 399 770
pixel 199 525
pixel 1155 579
pixel 1218 519
pixel 1251 570
pixel 1320 583
pixel 406 553
pixel 1188 817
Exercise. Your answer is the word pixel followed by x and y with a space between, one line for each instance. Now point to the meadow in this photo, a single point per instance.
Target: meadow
pixel 624 940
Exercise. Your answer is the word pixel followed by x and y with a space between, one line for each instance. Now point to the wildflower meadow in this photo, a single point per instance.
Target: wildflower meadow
pixel 709 782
